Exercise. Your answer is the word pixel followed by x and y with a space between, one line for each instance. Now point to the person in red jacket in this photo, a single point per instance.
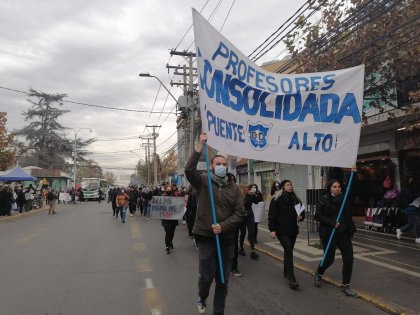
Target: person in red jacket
pixel 122 203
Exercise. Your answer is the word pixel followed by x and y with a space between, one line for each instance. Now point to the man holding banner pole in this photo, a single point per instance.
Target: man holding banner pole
pixel 230 212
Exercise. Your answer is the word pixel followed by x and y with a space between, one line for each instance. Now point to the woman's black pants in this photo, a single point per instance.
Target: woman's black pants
pixel 169 234
pixel 288 244
pixel 343 242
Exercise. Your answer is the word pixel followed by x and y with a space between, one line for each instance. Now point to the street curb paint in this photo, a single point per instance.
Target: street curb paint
pixel 22 215
pixel 390 308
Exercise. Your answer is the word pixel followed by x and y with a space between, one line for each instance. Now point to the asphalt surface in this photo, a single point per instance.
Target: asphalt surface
pixel 84 261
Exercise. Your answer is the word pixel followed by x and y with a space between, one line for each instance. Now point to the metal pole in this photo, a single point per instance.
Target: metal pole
pixel 155 180
pixel 213 212
pixel 191 106
pixel 148 161
pixel 74 160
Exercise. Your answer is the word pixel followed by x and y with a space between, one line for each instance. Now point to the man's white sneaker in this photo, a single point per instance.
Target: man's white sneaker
pixel 131 215
pixel 418 240
pixel 201 306
pixel 399 233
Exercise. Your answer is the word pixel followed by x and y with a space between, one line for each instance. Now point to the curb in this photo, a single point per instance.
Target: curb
pixel 390 308
pixel 22 215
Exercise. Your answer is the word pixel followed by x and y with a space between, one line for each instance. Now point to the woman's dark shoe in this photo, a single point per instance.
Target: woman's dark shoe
pixel 345 288
pixel 293 283
pixel 167 250
pixel 254 255
pixel 241 252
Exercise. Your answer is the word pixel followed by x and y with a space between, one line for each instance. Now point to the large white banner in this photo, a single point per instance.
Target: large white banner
pixel 311 118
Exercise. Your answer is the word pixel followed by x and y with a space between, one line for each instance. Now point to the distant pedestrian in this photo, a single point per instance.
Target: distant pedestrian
pixel 20 199
pixel 230 212
pixel 100 195
pixel 52 200
pixel 29 197
pixel 139 203
pixel 132 200
pixel 283 224
pixel 275 187
pixel 5 201
pixel 326 213
pixel 412 212
pixel 113 197
pixel 122 204
pixel 169 226
pixel 251 197
pixel 191 209
pixel 146 195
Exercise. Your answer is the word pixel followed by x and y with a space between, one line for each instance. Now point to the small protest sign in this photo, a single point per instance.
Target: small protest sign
pixel 168 208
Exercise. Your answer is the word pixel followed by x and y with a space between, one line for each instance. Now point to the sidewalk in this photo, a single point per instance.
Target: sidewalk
pixel 386 271
pixel 16 215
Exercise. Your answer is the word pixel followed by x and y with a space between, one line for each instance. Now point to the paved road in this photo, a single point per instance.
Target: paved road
pixel 84 261
pixel 383 266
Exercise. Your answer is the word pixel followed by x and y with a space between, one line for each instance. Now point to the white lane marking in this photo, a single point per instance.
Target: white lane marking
pixel 385 265
pixel 149 283
pixel 156 312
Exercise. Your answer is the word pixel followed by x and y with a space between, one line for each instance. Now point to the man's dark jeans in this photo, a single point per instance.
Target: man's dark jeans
pixel 209 270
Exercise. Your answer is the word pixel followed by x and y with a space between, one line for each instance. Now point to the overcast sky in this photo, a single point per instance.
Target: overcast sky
pixel 94 50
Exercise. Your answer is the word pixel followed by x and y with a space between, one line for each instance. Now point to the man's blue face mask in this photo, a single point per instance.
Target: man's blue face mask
pixel 220 170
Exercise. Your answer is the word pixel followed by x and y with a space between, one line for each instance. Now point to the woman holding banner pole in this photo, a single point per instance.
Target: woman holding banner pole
pixel 209 234
pixel 326 213
pixel 283 221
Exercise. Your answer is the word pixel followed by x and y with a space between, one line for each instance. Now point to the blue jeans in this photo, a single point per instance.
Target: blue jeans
pixel 146 209
pixel 123 210
pixel 413 224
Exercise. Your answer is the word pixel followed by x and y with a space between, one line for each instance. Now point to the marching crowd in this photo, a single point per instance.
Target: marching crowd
pixel 235 219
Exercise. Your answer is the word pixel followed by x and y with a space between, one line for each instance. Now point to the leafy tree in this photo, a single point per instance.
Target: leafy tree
pixel 46 143
pixel 169 163
pixel 141 168
pixel 89 168
pixel 7 153
pixel 110 177
pixel 382 34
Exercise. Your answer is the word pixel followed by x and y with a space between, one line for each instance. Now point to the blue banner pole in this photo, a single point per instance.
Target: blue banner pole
pixel 213 212
pixel 338 218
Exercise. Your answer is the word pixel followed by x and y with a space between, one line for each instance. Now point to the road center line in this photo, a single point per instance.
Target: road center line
pixel 31 236
pixel 149 283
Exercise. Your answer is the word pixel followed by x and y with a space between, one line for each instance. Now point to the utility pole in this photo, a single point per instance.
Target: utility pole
pixel 155 166
pixel 189 88
pixel 74 160
pixel 146 147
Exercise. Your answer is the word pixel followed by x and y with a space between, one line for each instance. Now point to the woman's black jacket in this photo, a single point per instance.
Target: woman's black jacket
pixel 326 214
pixel 282 217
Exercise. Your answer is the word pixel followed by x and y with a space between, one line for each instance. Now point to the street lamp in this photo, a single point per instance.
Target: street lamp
pixel 134 152
pixel 75 153
pixel 148 75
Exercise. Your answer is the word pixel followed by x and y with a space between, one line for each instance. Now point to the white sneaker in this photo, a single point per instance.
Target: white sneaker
pixel 183 222
pixel 399 233
pixel 418 240
pixel 131 215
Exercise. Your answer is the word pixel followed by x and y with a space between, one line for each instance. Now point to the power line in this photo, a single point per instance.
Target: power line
pixel 212 14
pixel 230 9
pixel 189 28
pixel 93 105
pixel 157 94
pixel 262 53
pixel 167 138
pixel 281 26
